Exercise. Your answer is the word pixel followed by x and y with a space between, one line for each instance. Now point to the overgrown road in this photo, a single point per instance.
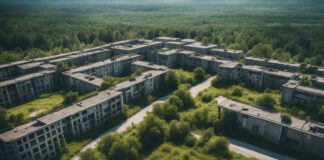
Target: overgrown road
pixel 241 148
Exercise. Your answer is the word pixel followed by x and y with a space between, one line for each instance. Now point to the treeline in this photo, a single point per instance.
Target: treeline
pixel 41 30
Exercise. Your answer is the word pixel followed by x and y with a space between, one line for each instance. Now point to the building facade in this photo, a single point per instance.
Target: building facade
pixel 41 138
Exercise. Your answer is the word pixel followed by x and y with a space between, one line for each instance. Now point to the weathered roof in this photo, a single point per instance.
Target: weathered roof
pixel 25 78
pixel 201 45
pixel 30 65
pixel 150 65
pixel 227 50
pixel 264 114
pixel 86 78
pixel 33 126
pixel 139 79
pixel 268 71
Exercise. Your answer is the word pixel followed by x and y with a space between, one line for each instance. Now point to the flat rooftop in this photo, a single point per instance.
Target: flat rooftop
pixel 138 45
pixel 232 51
pixel 268 71
pixel 87 78
pixel 283 63
pixel 30 65
pixel 24 78
pixel 150 65
pixel 104 63
pixel 138 79
pixel 33 126
pixel 255 59
pixel 229 65
pixel 201 45
pixel 167 39
pixel 168 51
pixel 295 86
pixel 264 114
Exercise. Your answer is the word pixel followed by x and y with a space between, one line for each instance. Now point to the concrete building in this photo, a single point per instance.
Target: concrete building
pixel 116 66
pixel 144 48
pixel 294 93
pixel 226 53
pixel 270 63
pixel 320 72
pixel 230 72
pixel 167 39
pixel 143 85
pixel 175 45
pixel 25 87
pixel 200 47
pixel 300 135
pixel 82 83
pixel 84 57
pixel 167 57
pixel 40 138
pixel 261 77
pixel 146 66
pixel 318 82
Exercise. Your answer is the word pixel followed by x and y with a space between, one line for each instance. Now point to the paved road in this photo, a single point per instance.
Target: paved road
pixel 235 145
pixel 138 117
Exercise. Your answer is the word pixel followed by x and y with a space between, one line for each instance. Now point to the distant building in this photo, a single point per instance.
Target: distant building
pixel 25 87
pixel 300 135
pixel 116 66
pixel 146 66
pixel 39 139
pixel 274 64
pixel 167 57
pixel 226 53
pixel 200 47
pixel 294 93
pixel 167 39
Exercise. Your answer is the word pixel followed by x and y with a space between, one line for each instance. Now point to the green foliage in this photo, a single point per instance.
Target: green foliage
pixel 152 132
pixel 116 146
pixel 218 146
pixel 184 95
pixel 225 123
pixel 70 97
pixel 261 50
pixel 266 100
pixel 178 131
pixel 165 111
pixel 305 81
pixel 285 118
pixel 91 154
pixel 237 92
pixel 200 73
pixel 171 80
pixel 206 97
pixel 174 100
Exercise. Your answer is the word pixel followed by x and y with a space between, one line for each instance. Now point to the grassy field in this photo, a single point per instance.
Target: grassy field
pixel 42 104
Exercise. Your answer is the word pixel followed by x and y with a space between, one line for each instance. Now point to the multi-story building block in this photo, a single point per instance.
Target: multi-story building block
pixel 226 53
pixel 167 57
pixel 200 47
pixel 39 139
pixel 301 135
pixel 82 83
pixel 25 87
pixel 146 66
pixel 116 66
pixel 294 93
pixel 143 85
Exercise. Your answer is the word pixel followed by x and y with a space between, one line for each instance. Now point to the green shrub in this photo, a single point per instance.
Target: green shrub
pixel 218 146
pixel 70 97
pixel 206 97
pixel 91 154
pixel 200 73
pixel 266 100
pixel 285 118
pixel 237 92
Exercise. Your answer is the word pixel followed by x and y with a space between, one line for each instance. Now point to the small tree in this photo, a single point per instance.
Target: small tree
pixel 174 100
pixel 178 131
pixel 206 97
pixel 91 154
pixel 305 81
pixel 184 95
pixel 266 100
pixel 171 80
pixel 237 92
pixel 70 97
pixel 285 118
pixel 200 73
pixel 218 146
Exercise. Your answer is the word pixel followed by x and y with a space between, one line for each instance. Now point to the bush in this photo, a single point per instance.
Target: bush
pixel 200 73
pixel 152 132
pixel 206 97
pixel 190 141
pixel 184 95
pixel 171 80
pixel 218 146
pixel 174 100
pixel 165 111
pixel 207 134
pixel 266 100
pixel 285 118
pixel 107 141
pixel 237 92
pixel 178 131
pixel 91 154
pixel 70 97
pixel 125 149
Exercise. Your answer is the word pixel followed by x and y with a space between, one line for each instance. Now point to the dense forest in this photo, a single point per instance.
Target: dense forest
pixel 290 30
